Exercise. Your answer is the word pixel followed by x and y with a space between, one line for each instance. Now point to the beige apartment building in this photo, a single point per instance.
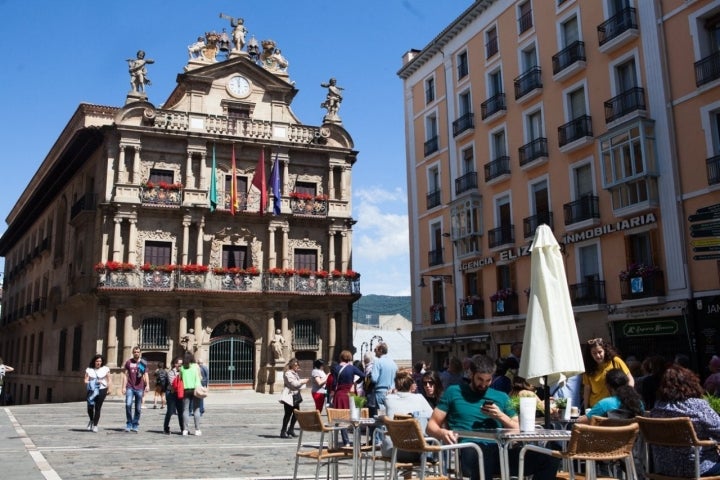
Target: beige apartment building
pixel 600 119
pixel 217 223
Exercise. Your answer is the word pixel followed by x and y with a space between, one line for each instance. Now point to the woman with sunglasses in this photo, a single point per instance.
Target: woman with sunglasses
pixel 432 387
pixel 599 358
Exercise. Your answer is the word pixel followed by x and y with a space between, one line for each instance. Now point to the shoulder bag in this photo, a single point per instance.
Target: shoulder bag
pixel 178 386
pixel 200 391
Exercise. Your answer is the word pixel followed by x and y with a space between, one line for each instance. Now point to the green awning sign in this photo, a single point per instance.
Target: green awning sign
pixel 661 327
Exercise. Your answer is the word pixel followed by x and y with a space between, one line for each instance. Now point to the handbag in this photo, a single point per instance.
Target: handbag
pixel 200 391
pixel 178 386
pixel 297 398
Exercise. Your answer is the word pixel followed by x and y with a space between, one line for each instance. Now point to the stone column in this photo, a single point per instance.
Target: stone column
pixel 284 329
pixel 185 239
pixel 285 176
pixel 344 252
pixel 189 177
pixel 105 246
pixel 111 351
pixel 116 252
pixel 122 172
pixel 136 166
pixel 111 172
pixel 203 181
pixel 331 182
pixel 182 323
pixel 344 176
pixel 132 242
pixel 200 244
pixel 198 325
pixel 270 330
pixel 128 335
pixel 285 247
pixel 272 254
pixel 331 250
pixel 332 335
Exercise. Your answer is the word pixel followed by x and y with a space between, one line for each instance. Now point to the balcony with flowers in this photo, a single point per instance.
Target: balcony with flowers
pixel 308 204
pixel 192 276
pixel 237 279
pixel 437 313
pixel 161 193
pixel 472 308
pixel 117 275
pixel 504 302
pixel 158 276
pixel 640 280
pixel 344 282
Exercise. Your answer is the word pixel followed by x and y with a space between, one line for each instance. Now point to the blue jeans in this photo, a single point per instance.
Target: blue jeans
pixel 133 395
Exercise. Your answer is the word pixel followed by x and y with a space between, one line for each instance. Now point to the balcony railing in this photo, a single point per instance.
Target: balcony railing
pixel 237 283
pixel 538 148
pixel 625 103
pixel 585 208
pixel 575 52
pixel 575 129
pixel 491 47
pixel 472 309
pixel 466 182
pixel 313 207
pixel 492 105
pixel 501 236
pixel 507 306
pixel 435 257
pixel 434 199
pixel 465 122
pixel 432 145
pixel 590 292
pixel 652 285
pixel 525 22
pixel 531 223
pixel 713 170
pixel 86 203
pixel 625 20
pixel 498 167
pixel 527 82
pixel 707 69
pixel 437 314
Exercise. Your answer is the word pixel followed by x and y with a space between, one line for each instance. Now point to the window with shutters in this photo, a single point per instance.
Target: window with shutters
pixel 235 256
pixel 158 253
pixel 305 259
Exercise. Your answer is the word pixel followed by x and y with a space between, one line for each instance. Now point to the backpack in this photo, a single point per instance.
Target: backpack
pixel 161 378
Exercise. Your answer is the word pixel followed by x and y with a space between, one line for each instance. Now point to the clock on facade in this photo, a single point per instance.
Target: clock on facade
pixel 238 86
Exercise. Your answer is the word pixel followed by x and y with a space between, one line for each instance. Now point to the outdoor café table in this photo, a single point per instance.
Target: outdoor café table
pixel 357 426
pixel 506 437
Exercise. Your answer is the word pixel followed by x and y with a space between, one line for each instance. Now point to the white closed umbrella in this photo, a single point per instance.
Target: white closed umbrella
pixel 551 348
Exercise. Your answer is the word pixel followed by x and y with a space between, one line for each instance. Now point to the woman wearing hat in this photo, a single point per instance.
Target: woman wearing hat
pixel 319 384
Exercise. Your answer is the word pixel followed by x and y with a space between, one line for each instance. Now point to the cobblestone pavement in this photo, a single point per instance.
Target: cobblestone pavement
pixel 240 440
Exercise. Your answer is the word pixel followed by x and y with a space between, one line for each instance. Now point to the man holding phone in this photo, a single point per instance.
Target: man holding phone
pixel 475 406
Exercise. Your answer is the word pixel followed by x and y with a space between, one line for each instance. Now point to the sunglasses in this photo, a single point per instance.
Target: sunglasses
pixel 428 383
pixel 595 341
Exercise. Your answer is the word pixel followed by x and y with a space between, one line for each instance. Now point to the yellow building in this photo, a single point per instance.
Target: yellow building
pixel 147 225
pixel 600 119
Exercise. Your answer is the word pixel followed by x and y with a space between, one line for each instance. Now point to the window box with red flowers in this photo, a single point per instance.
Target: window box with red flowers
pixel 308 204
pixel 437 313
pixel 149 267
pixel 504 302
pixel 192 276
pixel 194 268
pixel 161 193
pixel 640 281
pixel 235 278
pixel 114 267
pixel 116 274
pixel 157 276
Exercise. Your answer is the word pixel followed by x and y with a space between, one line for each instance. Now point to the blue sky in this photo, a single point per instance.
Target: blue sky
pixel 62 53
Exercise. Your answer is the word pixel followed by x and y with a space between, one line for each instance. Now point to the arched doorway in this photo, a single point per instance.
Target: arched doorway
pixel 232 349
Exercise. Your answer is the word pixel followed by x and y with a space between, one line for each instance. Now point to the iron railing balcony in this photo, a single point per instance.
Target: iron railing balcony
pixel 527 82
pixel 465 122
pixel 652 285
pixel 616 25
pixel 627 102
pixel 466 182
pixel 492 105
pixel 86 203
pixel 575 52
pixel 501 236
pixel 707 69
pixel 435 257
pixel 472 309
pixel 433 199
pixel 491 47
pixel 713 170
pixel 575 129
pixel 437 314
pixel 586 207
pixel 432 145
pixel 506 306
pixel 498 167
pixel 525 22
pixel 533 150
pixel 591 292
pixel 531 223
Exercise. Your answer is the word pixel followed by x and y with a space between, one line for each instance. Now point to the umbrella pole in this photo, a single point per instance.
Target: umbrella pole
pixel 546 389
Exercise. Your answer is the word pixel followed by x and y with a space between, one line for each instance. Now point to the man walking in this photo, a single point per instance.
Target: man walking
pixel 134 387
pixel 383 375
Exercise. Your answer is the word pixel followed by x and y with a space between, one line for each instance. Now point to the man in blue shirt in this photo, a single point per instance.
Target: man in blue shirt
pixel 464 407
pixel 383 374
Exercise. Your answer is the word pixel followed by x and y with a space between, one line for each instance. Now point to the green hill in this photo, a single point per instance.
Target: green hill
pixel 368 309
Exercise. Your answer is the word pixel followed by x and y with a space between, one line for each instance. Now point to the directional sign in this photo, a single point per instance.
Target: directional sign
pixel 713 256
pixel 698 217
pixel 705 242
pixel 709 209
pixel 711 248
pixel 705 226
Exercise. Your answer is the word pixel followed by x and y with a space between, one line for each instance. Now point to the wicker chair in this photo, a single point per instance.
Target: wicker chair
pixel 675 432
pixel 407 436
pixel 591 443
pixel 311 421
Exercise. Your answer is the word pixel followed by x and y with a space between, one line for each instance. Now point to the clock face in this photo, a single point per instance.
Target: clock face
pixel 238 86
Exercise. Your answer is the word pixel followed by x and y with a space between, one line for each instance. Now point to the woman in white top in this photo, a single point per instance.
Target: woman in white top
pixel 404 402
pixel 97 379
pixel 319 384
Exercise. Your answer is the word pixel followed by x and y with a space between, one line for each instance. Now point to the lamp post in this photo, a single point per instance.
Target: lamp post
pixel 453 292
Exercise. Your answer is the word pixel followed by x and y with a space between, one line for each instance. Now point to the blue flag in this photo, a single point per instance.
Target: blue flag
pixel 275 185
pixel 213 184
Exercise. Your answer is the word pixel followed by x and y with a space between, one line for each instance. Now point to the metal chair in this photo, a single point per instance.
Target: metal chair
pixel 591 444
pixel 407 436
pixel 311 421
pixel 675 432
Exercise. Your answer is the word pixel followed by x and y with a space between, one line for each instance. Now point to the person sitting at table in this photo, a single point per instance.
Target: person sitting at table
pixel 681 395
pixel 469 407
pixel 623 402
pixel 405 402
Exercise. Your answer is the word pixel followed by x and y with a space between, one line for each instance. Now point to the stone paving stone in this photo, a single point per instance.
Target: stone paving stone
pixel 240 440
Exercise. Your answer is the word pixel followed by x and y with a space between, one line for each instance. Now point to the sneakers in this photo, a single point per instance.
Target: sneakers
pixel 94 428
pixel 90 425
pixel 127 429
pixel 198 433
pixel 134 430
pixel 185 432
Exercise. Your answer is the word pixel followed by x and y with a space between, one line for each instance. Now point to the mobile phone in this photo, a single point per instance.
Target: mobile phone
pixel 488 403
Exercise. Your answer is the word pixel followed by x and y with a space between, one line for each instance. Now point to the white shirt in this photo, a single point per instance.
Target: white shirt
pixel 99 373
